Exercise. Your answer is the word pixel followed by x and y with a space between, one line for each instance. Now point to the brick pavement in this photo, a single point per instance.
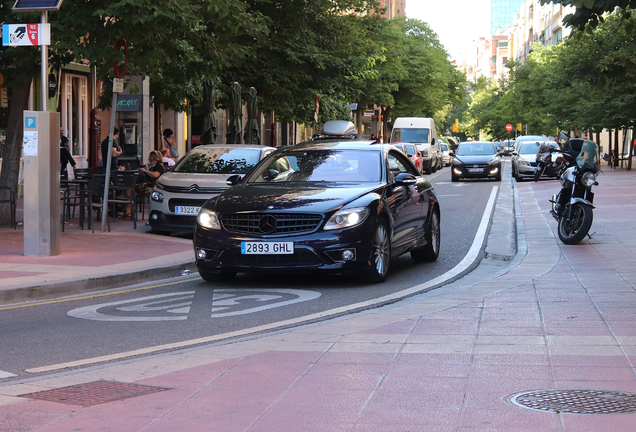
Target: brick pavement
pixel 557 317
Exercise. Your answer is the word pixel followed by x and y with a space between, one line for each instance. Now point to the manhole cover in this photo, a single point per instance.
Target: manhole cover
pixel 577 401
pixel 94 393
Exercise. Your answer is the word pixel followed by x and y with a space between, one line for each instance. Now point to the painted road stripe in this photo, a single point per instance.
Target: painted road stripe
pixel 4 374
pixel 470 257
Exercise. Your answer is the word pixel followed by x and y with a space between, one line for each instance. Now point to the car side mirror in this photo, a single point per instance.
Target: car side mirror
pixel 405 179
pixel 433 141
pixel 514 153
pixel 452 153
pixel 233 179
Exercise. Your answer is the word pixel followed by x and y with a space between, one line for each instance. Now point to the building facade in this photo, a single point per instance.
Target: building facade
pixel 502 14
pixel 532 23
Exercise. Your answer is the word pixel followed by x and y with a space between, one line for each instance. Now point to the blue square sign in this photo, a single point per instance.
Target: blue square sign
pixel 30 123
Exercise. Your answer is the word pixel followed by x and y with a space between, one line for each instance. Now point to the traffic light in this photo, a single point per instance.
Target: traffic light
pixel 519 127
pixel 455 127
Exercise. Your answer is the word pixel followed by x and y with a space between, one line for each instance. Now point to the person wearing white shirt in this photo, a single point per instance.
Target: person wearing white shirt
pixel 166 159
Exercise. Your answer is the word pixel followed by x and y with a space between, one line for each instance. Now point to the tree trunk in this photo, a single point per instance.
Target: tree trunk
pixel 609 148
pixel 630 152
pixel 18 102
pixel 616 154
pixel 386 132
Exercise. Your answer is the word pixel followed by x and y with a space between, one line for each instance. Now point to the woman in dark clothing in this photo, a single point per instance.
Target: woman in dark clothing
pixel 155 165
pixel 65 156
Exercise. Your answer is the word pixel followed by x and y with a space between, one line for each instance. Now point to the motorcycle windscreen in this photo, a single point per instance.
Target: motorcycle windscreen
pixel 587 160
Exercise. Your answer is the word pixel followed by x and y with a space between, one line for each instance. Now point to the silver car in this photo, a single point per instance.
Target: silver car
pixel 200 175
pixel 524 159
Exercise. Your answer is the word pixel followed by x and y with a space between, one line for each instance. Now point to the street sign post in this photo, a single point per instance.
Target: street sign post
pixel 118 87
pixel 40 140
pixel 509 127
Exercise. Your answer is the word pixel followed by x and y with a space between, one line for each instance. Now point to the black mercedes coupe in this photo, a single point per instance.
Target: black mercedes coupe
pixel 322 206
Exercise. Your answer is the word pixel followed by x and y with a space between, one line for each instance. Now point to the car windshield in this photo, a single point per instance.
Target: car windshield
pixel 320 165
pixel 410 135
pixel 475 149
pixel 219 160
pixel 444 147
pixel 530 148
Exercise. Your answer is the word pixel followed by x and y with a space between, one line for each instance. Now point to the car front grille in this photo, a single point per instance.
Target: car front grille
pixel 173 202
pixel 193 189
pixel 299 257
pixel 253 223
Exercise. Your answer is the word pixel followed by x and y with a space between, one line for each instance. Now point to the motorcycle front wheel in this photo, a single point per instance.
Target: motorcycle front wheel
pixel 537 172
pixel 573 229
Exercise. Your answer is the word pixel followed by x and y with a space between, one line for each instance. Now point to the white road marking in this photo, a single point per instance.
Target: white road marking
pixel 91 312
pixel 225 302
pixel 4 374
pixel 470 257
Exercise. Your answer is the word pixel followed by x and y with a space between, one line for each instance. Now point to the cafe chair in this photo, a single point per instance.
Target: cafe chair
pixel 82 173
pixel 76 196
pixel 7 196
pixel 96 198
pixel 123 192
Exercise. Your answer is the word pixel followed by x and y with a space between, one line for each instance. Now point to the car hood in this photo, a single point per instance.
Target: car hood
pixel 309 198
pixel 472 160
pixel 181 179
pixel 528 157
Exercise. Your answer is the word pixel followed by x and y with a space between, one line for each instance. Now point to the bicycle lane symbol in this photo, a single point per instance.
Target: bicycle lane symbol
pixel 177 306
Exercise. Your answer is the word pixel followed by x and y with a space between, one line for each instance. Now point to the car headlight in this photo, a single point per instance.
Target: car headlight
pixel 457 162
pixel 424 153
pixel 347 218
pixel 522 162
pixel 588 179
pixel 156 196
pixel 208 219
pixel 494 161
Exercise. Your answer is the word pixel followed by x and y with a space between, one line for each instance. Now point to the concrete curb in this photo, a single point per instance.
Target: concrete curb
pixel 80 285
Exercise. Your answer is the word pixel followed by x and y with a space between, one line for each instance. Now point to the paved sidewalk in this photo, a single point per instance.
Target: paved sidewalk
pixel 124 256
pixel 556 318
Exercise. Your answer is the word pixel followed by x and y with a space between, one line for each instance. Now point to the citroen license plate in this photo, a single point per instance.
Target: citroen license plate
pixel 267 248
pixel 187 210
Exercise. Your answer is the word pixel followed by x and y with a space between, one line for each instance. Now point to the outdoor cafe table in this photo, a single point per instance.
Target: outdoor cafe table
pixel 83 196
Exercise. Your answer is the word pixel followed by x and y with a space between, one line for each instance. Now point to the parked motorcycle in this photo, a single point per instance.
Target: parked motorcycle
pixel 572 206
pixel 549 161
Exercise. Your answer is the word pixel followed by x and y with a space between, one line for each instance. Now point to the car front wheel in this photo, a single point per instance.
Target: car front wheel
pixel 377 268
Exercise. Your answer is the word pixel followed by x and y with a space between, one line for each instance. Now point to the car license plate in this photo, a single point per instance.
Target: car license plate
pixel 267 248
pixel 475 170
pixel 187 210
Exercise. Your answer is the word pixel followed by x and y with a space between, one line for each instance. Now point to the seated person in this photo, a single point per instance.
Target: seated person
pixel 166 160
pixel 155 165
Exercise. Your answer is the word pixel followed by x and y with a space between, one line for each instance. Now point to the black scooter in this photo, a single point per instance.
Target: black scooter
pixel 549 161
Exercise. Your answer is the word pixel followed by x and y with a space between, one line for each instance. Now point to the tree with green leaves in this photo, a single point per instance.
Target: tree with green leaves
pixel 316 48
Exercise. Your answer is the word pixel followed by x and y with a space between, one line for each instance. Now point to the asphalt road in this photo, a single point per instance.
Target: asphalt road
pixel 45 337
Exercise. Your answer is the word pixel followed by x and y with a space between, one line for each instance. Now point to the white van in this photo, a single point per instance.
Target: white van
pixel 421 132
